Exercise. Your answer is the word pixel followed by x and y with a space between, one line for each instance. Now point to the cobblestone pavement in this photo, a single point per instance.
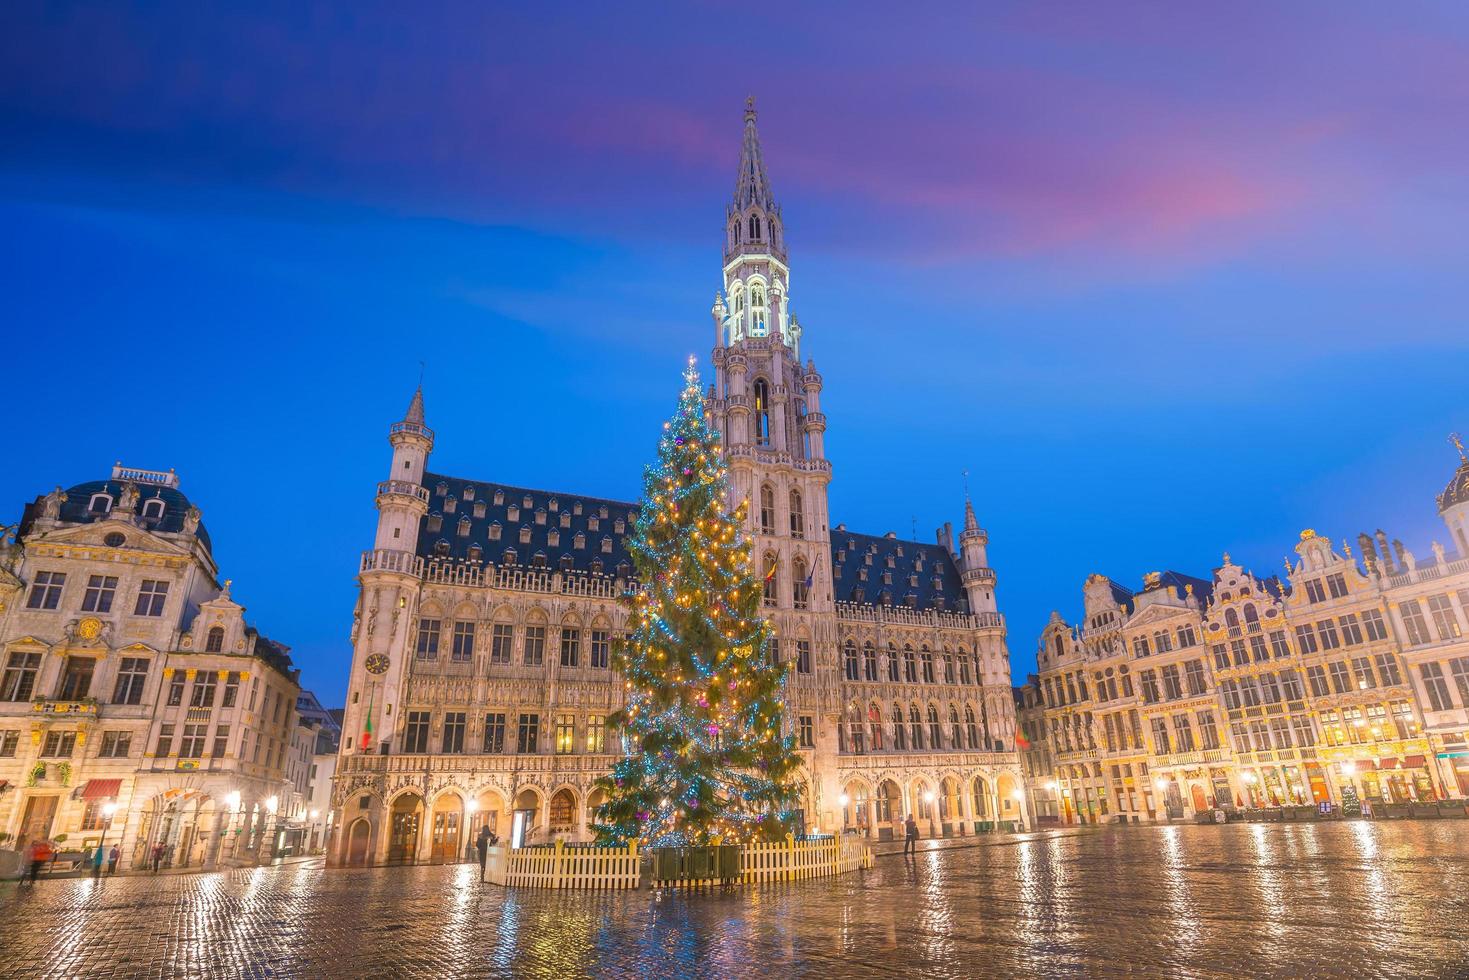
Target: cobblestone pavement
pixel 1295 900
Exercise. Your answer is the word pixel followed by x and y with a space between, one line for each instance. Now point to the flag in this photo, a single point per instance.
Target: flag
pixel 770 574
pixel 811 576
pixel 367 728
pixel 1021 742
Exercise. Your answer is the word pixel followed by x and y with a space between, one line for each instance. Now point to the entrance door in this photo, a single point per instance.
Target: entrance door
pixel 403 841
pixel 357 845
pixel 1200 803
pixel 40 811
pixel 446 836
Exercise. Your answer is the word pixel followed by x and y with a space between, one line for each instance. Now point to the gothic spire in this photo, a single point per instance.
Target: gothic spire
pixel 415 407
pixel 752 186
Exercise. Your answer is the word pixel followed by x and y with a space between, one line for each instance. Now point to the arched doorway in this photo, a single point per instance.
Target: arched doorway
pixel 1006 788
pixel 563 813
pixel 889 803
pixel 950 811
pixel 594 799
pixel 1201 803
pixel 447 843
pixel 854 814
pixel 490 812
pixel 403 827
pixel 525 819
pixel 981 799
pixel 359 839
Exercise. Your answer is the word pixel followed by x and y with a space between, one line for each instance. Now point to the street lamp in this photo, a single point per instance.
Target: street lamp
pixel 108 811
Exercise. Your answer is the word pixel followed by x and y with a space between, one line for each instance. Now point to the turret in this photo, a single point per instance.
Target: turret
pixel 978 577
pixel 402 500
pixel 1453 503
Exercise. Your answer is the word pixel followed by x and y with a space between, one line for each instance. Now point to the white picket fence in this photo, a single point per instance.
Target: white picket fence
pixel 572 867
pixel 590 868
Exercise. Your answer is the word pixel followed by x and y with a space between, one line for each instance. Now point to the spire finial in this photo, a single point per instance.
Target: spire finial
pixel 749 107
pixel 1458 442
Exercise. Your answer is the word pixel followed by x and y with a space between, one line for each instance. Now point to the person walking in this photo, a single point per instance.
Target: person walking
pixel 482 843
pixel 910 836
pixel 40 852
pixel 112 857
pixel 157 856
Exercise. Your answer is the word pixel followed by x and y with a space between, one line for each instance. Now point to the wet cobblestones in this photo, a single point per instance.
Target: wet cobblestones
pixel 1350 899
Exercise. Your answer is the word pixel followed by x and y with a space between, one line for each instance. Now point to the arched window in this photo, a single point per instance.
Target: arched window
pixel 214 642
pixel 893 663
pixel 874 726
pixel 759 315
pixel 900 736
pixel 153 509
pixel 755 227
pixel 856 730
pixel 934 732
pixel 767 509
pixel 1231 618
pixel 737 312
pixel 801 587
pixel 910 666
pixel 849 658
pixel 915 727
pixel 927 657
pixel 971 727
pixel 954 729
pixel 1250 615
pixel 798 519
pixel 762 416
pixel 1060 644
pixel 869 662
pixel 772 579
pixel 948 667
pixel 101 503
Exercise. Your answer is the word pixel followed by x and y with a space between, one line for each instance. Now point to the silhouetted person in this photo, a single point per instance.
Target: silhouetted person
pixel 910 836
pixel 482 843
pixel 112 857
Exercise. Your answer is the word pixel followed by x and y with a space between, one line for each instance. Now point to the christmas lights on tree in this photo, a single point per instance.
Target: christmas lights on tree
pixel 707 755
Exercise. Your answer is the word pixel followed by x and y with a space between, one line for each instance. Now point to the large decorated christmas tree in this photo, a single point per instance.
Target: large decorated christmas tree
pixel 703 726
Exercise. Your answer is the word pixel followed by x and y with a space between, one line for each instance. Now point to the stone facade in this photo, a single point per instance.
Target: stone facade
pixel 131 679
pixel 480 680
pixel 1344 682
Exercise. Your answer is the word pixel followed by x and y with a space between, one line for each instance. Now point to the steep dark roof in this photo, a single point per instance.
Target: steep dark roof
pixel 938 585
pixel 276 654
pixel 446 543
pixel 78 500
pixel 1177 581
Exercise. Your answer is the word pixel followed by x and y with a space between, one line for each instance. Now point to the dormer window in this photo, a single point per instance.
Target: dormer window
pixel 553 538
pixel 442 489
pixel 900 551
pixel 435 523
pixel 867 559
pixel 512 513
pixel 495 531
pixel 100 503
pixel 624 570
pixel 593 524
pixel 553 505
pixel 566 518
pixel 538 559
pixel 596 566
pixel 579 541
pixel 576 508
pixel 606 546
pixel 913 581
pixel 526 502
pixel 214 640
pixel 910 600
pixel 566 563
pixel 892 562
pixel 479 508
pixel 541 515
pixel 468 493
pixel 886 598
pixel 441 547
pixel 464 526
pixel 602 512
pixel 525 534
pixel 918 564
pixel 476 552
pixel 841 556
pixel 861 574
pixel 450 505
pixel 499 497
pixel 619 527
pixel 153 509
pixel 859 594
pixel 887 578
pixel 509 557
pixel 938 602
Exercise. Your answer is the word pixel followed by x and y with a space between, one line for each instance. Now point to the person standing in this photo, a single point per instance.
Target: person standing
pixel 157 856
pixel 482 843
pixel 41 852
pixel 112 857
pixel 910 835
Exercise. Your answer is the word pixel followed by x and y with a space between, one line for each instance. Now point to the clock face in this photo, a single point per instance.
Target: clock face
pixel 377 663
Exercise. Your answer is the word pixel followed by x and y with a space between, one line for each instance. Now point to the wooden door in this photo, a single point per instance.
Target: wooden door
pixel 39 813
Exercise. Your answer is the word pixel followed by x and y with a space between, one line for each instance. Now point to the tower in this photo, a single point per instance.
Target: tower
pixel 979 578
pixel 389 586
pixel 1453 503
pixel 766 406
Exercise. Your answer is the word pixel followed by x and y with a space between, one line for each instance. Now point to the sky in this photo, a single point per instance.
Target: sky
pixel 1166 279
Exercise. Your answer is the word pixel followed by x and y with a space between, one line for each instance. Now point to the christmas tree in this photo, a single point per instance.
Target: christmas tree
pixel 703 722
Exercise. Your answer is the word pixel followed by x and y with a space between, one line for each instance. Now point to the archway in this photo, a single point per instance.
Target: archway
pixel 1006 788
pixel 488 812
pixel 889 803
pixel 949 806
pixel 854 814
pixel 404 820
pixel 981 799
pixel 563 813
pixel 359 840
pixel 526 818
pixel 448 826
pixel 594 799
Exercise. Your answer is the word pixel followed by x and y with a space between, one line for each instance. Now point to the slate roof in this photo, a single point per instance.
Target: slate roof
pixel 78 500
pixel 1203 588
pixel 921 576
pixel 540 512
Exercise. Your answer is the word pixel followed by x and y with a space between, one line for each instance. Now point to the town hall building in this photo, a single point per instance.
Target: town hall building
pixel 481 674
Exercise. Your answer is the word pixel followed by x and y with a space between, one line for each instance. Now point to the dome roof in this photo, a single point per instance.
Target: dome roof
pixel 1457 492
pixel 78 506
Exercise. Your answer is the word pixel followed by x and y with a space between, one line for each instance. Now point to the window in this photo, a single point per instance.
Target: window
pixel 46 590
pixel 771 585
pixel 1445 623
pixel 1249 692
pixel 1260 735
pixel 1279 645
pixel 893 663
pixel 151 598
pixel 1336 584
pixel 428 639
pixel 101 589
pixel 910 666
pixel 936 739
pixel 565 734
pixel 1237 653
pixel 202 696
pixel 231 689
pixel 116 745
pixel 1316 676
pixel 1183 733
pixel 1149 681
pixel 596 734
pixel 762 429
pixel 164 745
pixel 900 735
pixel 1351 629
pixel 1436 687
pixel 1305 639
pixel 1459 667
pixel 1269 688
pixel 1140 646
pixel 1387 669
pixel 176 689
pixel 214 640
pixel 1172 689
pixel 1186 637
pixel 502 639
pixel 1229 692
pixel 1372 622
pixel 1161 744
pixel 494 732
pixel 798 518
pixel 948 668
pixel 1162 641
pixel 806 732
pixel 570 646
pixel 1413 622
pixel 191 745
pixel 915 727
pixel 1326 632
pixel 1221 657
pixel 528 737
pixel 415 736
pixel 803 657
pixel 927 658
pixel 535 646
pixel 1208 731
pixel 1280 732
pixel 76 679
pixel 1290 685
pixel 222 741
pixel 1305 730
pixel 462 651
pixel 1259 653
pixel 1362 670
pixel 455 723
pixel 1341 680
pixel 800 584
pixel 601 649
pixel 1314 591
pixel 1194 674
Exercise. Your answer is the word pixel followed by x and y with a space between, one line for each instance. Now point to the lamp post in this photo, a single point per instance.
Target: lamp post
pixel 1161 785
pixel 271 806
pixel 232 807
pixel 312 816
pixel 471 806
pixel 932 827
pixel 108 811
pixel 1019 797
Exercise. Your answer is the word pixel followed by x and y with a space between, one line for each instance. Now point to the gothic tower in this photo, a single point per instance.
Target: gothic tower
pixel 766 406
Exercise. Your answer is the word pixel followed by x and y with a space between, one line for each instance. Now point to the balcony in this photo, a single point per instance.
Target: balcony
pixel 412 428
pixel 64 706
pixel 403 488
